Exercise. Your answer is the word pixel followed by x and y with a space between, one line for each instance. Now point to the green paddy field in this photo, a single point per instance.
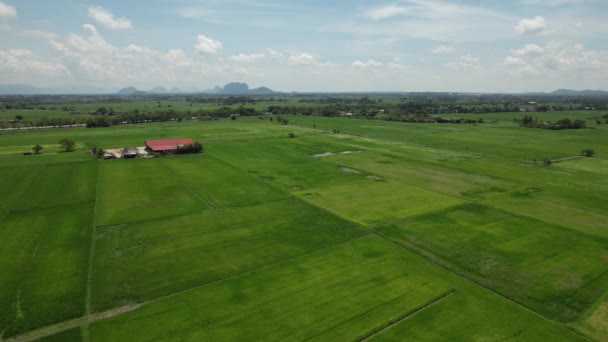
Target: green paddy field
pixel 384 232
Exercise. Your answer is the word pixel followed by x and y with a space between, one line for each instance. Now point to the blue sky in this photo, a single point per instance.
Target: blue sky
pixel 399 45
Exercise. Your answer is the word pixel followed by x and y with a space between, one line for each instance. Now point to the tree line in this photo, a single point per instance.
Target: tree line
pixel 531 122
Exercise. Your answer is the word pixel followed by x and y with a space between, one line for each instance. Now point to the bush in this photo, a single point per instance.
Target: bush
pixel 292 135
pixel 588 152
pixel 67 144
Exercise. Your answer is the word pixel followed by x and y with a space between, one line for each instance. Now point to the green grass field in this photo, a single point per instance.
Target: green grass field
pixel 341 293
pixel 511 254
pixel 386 231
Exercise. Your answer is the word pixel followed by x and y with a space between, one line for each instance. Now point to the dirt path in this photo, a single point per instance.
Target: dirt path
pixel 87 299
pixel 71 324
pixel 379 330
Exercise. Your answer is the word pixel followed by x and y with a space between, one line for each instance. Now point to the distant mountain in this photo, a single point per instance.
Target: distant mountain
pixel 262 91
pixel 130 91
pixel 214 90
pixel 568 92
pixel 158 90
pixel 236 88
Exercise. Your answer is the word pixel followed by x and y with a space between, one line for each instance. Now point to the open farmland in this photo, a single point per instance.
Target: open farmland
pixel 386 231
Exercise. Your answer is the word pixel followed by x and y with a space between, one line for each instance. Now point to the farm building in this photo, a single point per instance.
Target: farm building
pixel 130 152
pixel 167 145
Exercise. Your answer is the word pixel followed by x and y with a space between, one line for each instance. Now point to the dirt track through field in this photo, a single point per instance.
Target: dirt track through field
pixel 397 320
pixel 71 324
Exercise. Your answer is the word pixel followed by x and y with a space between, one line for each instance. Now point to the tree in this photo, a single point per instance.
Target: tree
pixel 195 147
pixel 37 149
pixel 588 152
pixel 67 144
pixel 19 117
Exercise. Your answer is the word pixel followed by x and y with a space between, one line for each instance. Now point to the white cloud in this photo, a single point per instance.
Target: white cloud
pixel 207 45
pixel 437 20
pixel 176 57
pixel 465 63
pixel 516 61
pixel 274 53
pixel 7 11
pixel 376 66
pixel 106 19
pixel 387 12
pixel 443 49
pixel 247 58
pixel 39 34
pixel 532 26
pixel 368 64
pixel 528 49
pixel 93 60
pixel 21 61
pixel 302 59
pixel 559 61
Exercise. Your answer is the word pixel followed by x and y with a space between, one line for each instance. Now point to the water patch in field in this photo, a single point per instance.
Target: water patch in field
pixel 349 170
pixel 326 154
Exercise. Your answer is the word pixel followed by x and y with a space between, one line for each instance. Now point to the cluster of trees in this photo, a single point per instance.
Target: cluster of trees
pixel 195 147
pixel 66 144
pixel 413 107
pixel 425 118
pixel 531 122
pixel 104 111
pixel 282 120
pixel 43 122
pixel 588 152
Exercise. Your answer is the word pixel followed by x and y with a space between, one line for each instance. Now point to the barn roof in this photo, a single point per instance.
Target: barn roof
pixel 167 144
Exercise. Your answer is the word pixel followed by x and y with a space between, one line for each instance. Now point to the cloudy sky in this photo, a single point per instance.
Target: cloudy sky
pixel 314 45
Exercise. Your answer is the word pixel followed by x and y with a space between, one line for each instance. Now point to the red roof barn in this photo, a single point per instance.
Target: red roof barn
pixel 167 145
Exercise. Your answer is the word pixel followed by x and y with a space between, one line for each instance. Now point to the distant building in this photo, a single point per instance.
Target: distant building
pixel 129 152
pixel 167 145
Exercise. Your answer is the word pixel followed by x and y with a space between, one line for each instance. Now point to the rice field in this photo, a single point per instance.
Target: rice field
pixel 386 231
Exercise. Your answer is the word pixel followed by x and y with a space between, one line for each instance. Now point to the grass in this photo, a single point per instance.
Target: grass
pixel 141 189
pixel 339 293
pixel 206 176
pixel 510 254
pixel 60 184
pixel 142 261
pixel 372 201
pixel 469 315
pixel 260 238
pixel 43 262
pixel 596 322
pixel 507 140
